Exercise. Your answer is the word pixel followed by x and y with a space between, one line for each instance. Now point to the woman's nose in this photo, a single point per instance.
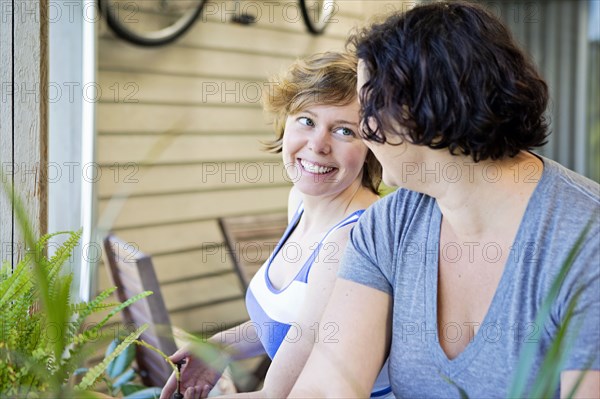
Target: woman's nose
pixel 319 141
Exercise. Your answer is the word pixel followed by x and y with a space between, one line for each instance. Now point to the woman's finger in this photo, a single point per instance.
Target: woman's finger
pixel 190 393
pixel 205 391
pixel 169 387
pixel 180 355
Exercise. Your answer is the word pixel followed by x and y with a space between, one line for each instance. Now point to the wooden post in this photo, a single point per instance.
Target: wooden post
pixel 23 118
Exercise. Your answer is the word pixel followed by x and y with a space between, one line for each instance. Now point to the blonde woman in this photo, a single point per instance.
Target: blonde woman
pixel 335 178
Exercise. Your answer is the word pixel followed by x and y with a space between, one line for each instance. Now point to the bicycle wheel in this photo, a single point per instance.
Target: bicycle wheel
pixel 316 14
pixel 150 22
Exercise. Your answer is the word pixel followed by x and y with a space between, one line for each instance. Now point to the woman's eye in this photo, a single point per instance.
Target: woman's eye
pixel 344 131
pixel 306 121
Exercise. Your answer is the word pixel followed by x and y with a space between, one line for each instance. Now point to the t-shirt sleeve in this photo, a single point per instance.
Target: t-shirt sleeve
pixel 368 258
pixel 582 285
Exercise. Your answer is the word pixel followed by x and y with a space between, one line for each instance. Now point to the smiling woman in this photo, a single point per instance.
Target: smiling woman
pixel 307 147
pixel 335 177
pixel 324 80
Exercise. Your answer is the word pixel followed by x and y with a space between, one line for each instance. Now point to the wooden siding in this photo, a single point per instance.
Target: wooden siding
pixel 179 132
pixel 23 124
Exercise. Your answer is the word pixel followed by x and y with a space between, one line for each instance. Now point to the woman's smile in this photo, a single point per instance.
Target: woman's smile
pixel 322 152
pixel 315 168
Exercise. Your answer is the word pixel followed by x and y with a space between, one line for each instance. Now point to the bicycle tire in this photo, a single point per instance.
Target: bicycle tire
pixel 159 37
pixel 316 19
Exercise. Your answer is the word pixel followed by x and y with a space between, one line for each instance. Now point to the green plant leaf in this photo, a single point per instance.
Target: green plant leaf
pixel 41 243
pixel 85 336
pixel 41 347
pixel 527 355
pixel 95 372
pixel 16 283
pixel 121 362
pixel 33 306
pixel 549 374
pixel 87 306
pixel 84 310
pixel 161 353
pixel 461 392
pixel 63 252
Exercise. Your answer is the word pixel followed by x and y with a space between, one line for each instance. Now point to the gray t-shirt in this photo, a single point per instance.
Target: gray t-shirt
pixel 395 246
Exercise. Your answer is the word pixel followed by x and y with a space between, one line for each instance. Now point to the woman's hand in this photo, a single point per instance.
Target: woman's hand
pixel 196 375
pixel 200 373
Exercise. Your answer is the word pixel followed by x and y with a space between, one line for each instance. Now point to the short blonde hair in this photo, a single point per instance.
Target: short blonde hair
pixel 325 79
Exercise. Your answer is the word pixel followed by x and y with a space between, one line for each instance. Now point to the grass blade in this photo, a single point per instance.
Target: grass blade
pixel 527 354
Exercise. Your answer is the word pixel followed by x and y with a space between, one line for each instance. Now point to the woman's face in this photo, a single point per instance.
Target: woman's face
pixel 398 157
pixel 322 151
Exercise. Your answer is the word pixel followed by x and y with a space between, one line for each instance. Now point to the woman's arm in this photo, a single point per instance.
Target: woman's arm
pixel 307 330
pixel 236 348
pixel 240 342
pixel 589 387
pixel 580 287
pixel 349 366
pixel 310 330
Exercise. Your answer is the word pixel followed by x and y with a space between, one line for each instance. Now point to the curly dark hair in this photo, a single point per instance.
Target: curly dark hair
pixel 450 75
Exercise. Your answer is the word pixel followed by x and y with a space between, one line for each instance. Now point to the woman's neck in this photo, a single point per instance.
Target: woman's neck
pixel 320 213
pixel 488 196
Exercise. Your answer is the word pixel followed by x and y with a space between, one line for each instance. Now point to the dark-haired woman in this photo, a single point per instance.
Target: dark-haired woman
pixel 448 274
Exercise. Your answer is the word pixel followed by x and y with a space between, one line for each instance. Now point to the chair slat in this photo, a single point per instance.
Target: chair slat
pixel 132 272
pixel 250 240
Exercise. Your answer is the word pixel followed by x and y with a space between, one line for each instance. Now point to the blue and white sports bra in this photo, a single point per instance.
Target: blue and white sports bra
pixel 274 311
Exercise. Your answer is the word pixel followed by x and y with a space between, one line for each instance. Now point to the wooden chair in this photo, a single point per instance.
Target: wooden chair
pixel 250 240
pixel 132 272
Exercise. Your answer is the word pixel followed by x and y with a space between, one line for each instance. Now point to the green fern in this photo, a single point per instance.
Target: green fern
pixel 161 353
pixel 41 337
pixel 86 309
pixel 63 253
pixel 553 358
pixel 81 307
pixel 92 332
pixel 96 372
pixel 41 343
pixel 11 284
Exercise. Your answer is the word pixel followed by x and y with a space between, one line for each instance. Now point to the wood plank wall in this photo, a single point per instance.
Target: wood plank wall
pixel 179 130
pixel 23 124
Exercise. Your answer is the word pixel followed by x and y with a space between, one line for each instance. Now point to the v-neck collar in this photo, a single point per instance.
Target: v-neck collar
pixel 452 367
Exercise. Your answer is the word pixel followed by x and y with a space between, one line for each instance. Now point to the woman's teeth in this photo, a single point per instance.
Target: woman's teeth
pixel 312 168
